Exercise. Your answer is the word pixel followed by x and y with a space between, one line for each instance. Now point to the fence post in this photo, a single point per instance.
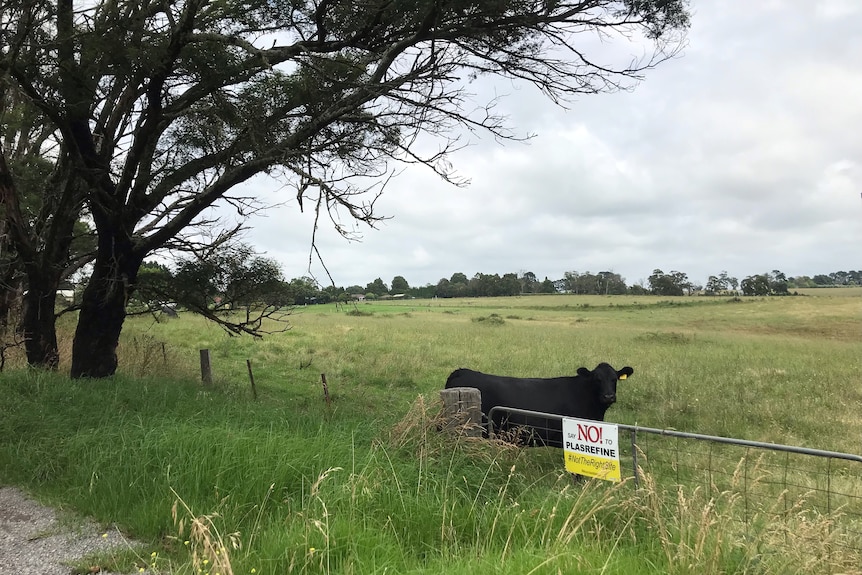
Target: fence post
pixel 251 378
pixel 462 410
pixel 325 390
pixel 206 368
pixel 634 438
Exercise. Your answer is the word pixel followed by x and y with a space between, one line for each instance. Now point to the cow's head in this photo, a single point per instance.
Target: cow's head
pixel 604 379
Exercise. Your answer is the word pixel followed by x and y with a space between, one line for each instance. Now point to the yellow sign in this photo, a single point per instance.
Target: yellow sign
pixel 591 448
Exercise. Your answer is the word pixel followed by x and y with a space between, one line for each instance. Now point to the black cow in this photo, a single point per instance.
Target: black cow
pixel 587 395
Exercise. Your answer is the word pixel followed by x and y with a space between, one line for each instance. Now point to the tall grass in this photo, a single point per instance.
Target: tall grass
pixel 287 484
pixel 741 369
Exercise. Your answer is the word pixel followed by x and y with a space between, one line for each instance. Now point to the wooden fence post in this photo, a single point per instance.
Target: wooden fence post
pixel 251 378
pixel 206 368
pixel 325 390
pixel 462 410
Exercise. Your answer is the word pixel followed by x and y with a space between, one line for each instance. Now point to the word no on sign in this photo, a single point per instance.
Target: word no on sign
pixel 591 448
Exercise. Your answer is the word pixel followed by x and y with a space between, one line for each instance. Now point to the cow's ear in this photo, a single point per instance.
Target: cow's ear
pixel 584 372
pixel 625 372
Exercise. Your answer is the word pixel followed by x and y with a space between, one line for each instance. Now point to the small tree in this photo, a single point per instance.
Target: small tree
pixel 572 282
pixel 459 278
pixel 800 282
pixel 840 278
pixel 333 294
pixel 155 283
pixel 488 285
pixel 232 286
pixel 509 285
pixel 377 287
pixel 444 288
pixel 529 283
pixel 585 283
pixel 715 285
pixel 777 283
pixel 426 292
pixel 670 284
pixel 459 286
pixel 756 285
pixel 400 285
pixel 729 282
pixel 610 283
pixel 304 290
pixel 547 286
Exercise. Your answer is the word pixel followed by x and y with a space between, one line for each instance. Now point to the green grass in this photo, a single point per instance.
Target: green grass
pixel 832 291
pixel 367 484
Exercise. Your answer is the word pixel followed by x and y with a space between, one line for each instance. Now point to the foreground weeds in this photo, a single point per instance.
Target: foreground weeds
pixel 217 482
pixel 700 532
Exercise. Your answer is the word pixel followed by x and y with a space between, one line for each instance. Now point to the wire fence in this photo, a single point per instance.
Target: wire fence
pixel 772 481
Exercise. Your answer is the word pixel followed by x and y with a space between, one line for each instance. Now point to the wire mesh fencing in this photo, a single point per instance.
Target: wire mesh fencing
pixel 767 482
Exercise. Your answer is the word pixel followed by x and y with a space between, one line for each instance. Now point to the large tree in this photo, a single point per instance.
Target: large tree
pixel 673 283
pixel 164 106
pixel 42 239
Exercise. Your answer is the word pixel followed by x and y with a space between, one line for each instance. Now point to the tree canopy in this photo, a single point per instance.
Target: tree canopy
pixel 156 110
pixel 399 285
pixel 673 283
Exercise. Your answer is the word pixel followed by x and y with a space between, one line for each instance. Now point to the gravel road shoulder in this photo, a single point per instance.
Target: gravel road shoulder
pixel 35 541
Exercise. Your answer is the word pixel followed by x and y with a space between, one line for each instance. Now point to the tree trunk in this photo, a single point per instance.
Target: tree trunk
pixel 38 322
pixel 9 303
pixel 103 307
pixel 8 296
pixel 42 253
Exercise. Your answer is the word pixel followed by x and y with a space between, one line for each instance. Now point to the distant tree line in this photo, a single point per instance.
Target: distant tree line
pixel 306 290
pixel 234 278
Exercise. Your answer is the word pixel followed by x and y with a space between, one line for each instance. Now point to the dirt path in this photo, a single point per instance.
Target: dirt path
pixel 34 541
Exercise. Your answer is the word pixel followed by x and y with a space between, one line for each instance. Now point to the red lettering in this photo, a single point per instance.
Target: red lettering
pixel 591 433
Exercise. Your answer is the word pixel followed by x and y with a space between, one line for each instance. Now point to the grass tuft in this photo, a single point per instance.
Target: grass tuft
pixel 492 319
pixel 666 338
pixel 355 312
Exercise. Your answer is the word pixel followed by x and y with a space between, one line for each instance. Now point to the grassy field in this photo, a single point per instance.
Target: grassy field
pixel 845 291
pixel 289 484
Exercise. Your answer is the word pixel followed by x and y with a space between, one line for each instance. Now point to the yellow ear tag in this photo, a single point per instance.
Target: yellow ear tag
pixel 623 376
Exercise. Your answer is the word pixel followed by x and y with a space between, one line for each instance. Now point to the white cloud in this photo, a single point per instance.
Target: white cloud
pixel 742 155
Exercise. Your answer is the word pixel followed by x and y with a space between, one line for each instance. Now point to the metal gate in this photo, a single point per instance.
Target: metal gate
pixel 827 481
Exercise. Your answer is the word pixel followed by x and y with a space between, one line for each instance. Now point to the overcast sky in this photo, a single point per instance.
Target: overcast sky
pixel 744 154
